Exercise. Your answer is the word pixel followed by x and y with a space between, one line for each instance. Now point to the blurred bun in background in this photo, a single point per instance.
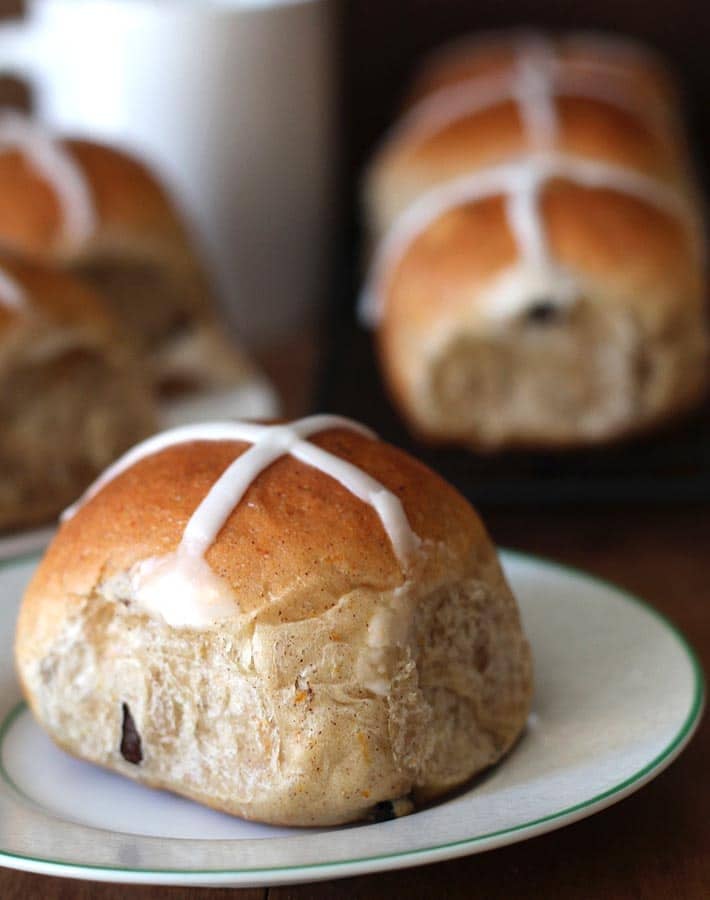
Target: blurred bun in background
pixel 538 278
pixel 102 214
pixel 73 395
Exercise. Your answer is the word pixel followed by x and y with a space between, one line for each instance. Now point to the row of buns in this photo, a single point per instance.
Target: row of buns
pixel 105 309
pixel 72 393
pixel 538 276
pixel 294 623
pixel 301 624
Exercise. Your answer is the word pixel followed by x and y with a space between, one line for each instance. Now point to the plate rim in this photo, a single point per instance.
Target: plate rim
pixel 27 542
pixel 377 862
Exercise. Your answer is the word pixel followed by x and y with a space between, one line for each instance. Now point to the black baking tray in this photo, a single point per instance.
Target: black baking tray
pixel 668 466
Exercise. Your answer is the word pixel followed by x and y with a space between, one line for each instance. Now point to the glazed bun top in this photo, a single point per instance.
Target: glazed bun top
pixel 68 199
pixel 618 61
pixel 496 99
pixel 211 522
pixel 534 166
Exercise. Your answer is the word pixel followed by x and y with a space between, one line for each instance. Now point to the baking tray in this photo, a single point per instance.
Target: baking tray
pixel 668 466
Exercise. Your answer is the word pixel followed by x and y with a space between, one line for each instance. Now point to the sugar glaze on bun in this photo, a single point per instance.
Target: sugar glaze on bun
pixel 290 623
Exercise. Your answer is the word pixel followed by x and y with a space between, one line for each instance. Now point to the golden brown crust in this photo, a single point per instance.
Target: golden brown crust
pixel 639 130
pixel 340 681
pixel 628 63
pixel 648 256
pixel 296 532
pixel 30 214
pixel 58 297
pixel 132 209
pixel 445 267
pixel 635 250
pixel 637 262
pixel 138 254
pixel 587 128
pixel 462 280
pixel 126 194
pixel 73 395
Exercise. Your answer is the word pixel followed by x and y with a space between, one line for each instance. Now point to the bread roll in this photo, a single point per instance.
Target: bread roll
pixel 539 279
pixel 296 624
pixel 103 215
pixel 72 398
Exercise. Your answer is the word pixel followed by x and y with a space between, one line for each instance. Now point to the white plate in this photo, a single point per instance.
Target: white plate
pixel 618 695
pixel 251 399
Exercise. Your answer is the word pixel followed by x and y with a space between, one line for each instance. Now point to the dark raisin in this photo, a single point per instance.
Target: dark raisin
pixel 130 739
pixel 390 809
pixel 481 657
pixel 542 311
pixel 382 812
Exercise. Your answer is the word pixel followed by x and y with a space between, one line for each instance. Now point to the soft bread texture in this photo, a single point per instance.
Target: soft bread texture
pixel 340 682
pixel 137 253
pixel 604 337
pixel 72 397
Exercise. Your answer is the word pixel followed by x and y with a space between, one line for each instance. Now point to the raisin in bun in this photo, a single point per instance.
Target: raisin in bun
pixel 540 281
pixel 292 624
pixel 72 398
pixel 102 214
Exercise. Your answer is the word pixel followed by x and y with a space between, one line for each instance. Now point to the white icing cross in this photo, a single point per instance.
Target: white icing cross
pixel 536 78
pixel 54 164
pixel 12 295
pixel 269 442
pixel 521 182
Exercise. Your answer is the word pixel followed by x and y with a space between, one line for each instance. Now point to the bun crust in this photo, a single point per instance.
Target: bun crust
pixel 130 244
pixel 130 206
pixel 588 128
pixel 493 52
pixel 341 680
pixel 65 372
pixel 623 246
pixel 616 104
pixel 57 297
pixel 562 314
